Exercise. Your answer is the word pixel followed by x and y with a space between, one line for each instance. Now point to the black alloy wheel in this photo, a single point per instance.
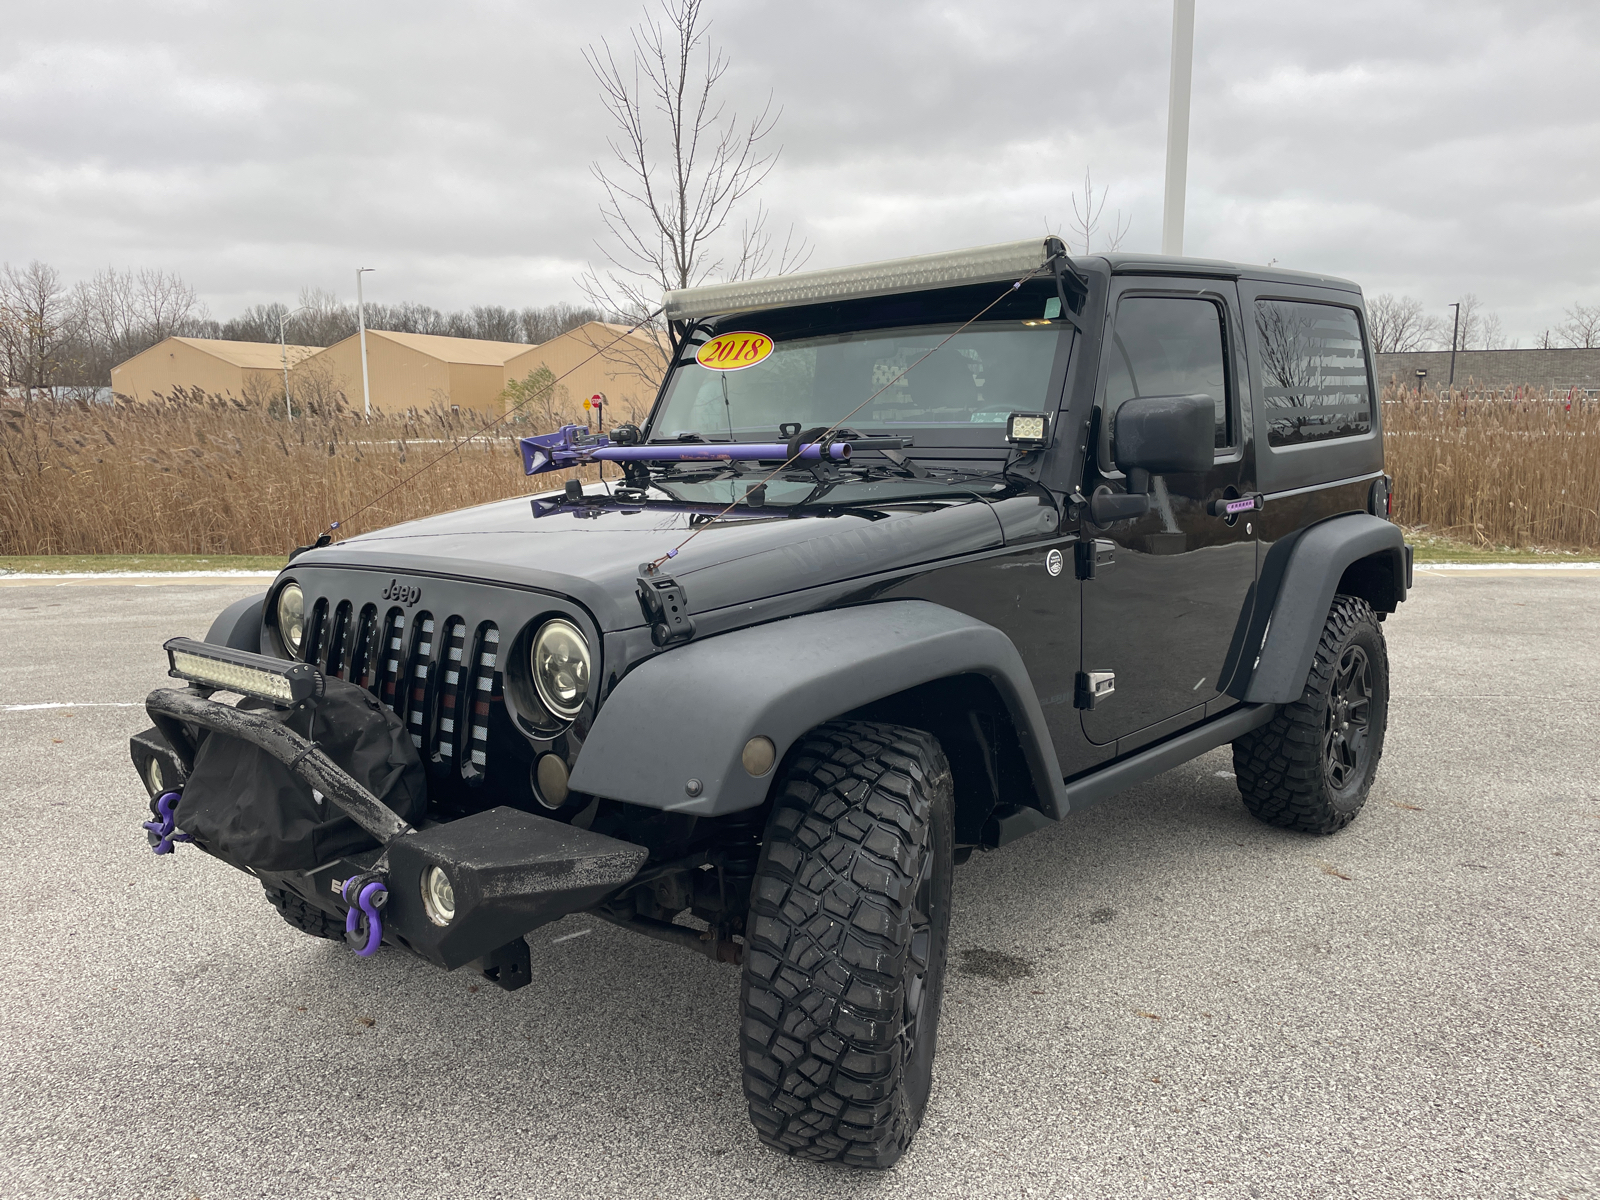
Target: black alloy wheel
pixel 1344 737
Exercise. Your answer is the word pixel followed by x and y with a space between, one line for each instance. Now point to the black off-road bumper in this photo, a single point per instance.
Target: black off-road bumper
pixel 510 871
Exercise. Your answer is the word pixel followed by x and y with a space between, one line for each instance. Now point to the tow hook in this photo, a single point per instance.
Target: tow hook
pixel 363 924
pixel 165 830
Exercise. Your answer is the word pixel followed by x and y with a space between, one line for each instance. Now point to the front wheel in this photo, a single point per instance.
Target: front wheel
pixel 1310 768
pixel 846 945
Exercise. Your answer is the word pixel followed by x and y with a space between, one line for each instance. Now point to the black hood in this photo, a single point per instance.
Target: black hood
pixel 592 555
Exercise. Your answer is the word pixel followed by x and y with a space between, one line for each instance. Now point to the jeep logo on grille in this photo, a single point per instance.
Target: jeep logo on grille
pixel 403 592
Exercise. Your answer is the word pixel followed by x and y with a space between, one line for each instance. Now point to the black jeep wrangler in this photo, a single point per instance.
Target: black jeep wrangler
pixel 908 561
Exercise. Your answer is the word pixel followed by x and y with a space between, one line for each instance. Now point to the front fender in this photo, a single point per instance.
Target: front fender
pixel 686 714
pixel 239 625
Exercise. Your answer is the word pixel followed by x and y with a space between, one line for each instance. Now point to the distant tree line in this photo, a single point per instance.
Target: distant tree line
pixel 1401 324
pixel 53 334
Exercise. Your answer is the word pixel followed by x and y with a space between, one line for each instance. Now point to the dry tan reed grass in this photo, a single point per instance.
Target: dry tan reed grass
pixel 1501 472
pixel 202 475
pixel 205 475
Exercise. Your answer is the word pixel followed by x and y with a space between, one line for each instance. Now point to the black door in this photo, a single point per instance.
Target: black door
pixel 1168 588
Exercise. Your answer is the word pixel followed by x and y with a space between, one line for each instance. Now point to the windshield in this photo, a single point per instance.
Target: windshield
pixel 966 388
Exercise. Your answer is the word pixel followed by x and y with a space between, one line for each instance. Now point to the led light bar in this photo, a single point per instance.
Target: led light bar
pixel 288 684
pixel 1030 430
pixel 982 264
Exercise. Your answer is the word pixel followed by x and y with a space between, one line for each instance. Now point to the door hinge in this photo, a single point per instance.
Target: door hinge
pixel 1093 554
pixel 1094 686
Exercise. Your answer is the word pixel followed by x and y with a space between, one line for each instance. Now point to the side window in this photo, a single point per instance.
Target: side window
pixel 1168 346
pixel 1313 372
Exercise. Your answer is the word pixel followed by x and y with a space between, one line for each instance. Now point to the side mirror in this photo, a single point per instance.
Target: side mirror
pixel 1155 435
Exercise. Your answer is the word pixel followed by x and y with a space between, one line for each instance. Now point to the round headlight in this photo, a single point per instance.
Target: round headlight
pixel 154 777
pixel 560 664
pixel 292 618
pixel 438 896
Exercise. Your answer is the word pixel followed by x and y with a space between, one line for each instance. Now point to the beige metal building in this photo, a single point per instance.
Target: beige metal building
pixel 243 370
pixel 627 373
pixel 413 370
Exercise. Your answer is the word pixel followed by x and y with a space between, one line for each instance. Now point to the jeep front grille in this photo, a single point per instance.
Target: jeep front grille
pixel 440 678
pixel 480 693
pixel 364 649
pixel 339 641
pixel 418 676
pixel 394 630
pixel 451 669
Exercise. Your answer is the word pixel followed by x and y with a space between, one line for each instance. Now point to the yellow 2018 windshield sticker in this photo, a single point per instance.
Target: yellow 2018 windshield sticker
pixel 734 351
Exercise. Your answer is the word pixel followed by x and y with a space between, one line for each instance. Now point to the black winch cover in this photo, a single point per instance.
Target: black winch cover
pixel 245 806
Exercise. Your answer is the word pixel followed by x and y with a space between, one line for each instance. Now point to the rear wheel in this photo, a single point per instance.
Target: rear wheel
pixel 846 945
pixel 1310 768
pixel 305 917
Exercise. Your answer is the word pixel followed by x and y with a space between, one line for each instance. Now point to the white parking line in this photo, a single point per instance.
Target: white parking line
pixel 1510 566
pixel 62 576
pixel 60 704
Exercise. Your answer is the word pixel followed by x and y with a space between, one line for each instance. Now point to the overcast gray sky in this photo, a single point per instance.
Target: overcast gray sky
pixel 1428 147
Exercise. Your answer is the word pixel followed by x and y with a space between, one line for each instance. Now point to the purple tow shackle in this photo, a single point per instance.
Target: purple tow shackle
pixel 166 829
pixel 369 899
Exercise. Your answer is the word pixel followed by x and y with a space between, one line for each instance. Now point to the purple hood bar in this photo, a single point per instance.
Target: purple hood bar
pixel 574 446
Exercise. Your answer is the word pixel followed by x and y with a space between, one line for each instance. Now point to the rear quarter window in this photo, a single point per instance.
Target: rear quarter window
pixel 1313 372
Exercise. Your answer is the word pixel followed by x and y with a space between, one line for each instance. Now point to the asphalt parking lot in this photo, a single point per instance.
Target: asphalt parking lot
pixel 1160 997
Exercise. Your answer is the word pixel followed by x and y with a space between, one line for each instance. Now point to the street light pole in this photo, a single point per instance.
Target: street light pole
pixel 283 348
pixel 361 329
pixel 1455 331
pixel 1178 126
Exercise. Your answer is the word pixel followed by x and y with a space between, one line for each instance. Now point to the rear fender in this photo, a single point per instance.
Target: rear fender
pixel 1357 554
pixel 672 734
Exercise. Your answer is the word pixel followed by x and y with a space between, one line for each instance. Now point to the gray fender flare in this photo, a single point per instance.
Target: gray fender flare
pixel 1298 581
pixel 239 625
pixel 686 714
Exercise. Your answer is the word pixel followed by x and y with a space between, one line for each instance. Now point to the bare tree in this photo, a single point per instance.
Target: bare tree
pixel 668 216
pixel 325 318
pixel 164 305
pixel 35 326
pixel 1400 325
pixel 1582 326
pixel 1479 328
pixel 1086 220
pixel 541 324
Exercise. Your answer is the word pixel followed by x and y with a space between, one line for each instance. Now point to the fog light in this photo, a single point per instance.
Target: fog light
pixel 551 776
pixel 438 897
pixel 759 755
pixel 154 778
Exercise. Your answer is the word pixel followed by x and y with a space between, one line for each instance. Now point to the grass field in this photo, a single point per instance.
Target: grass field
pixel 1431 549
pixel 219 478
pixel 61 564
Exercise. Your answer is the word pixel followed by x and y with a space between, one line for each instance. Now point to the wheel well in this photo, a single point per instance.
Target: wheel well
pixel 976 730
pixel 1377 579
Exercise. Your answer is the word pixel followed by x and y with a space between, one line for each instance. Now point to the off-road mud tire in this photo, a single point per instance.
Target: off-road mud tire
pixel 307 918
pixel 1283 769
pixel 843 971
